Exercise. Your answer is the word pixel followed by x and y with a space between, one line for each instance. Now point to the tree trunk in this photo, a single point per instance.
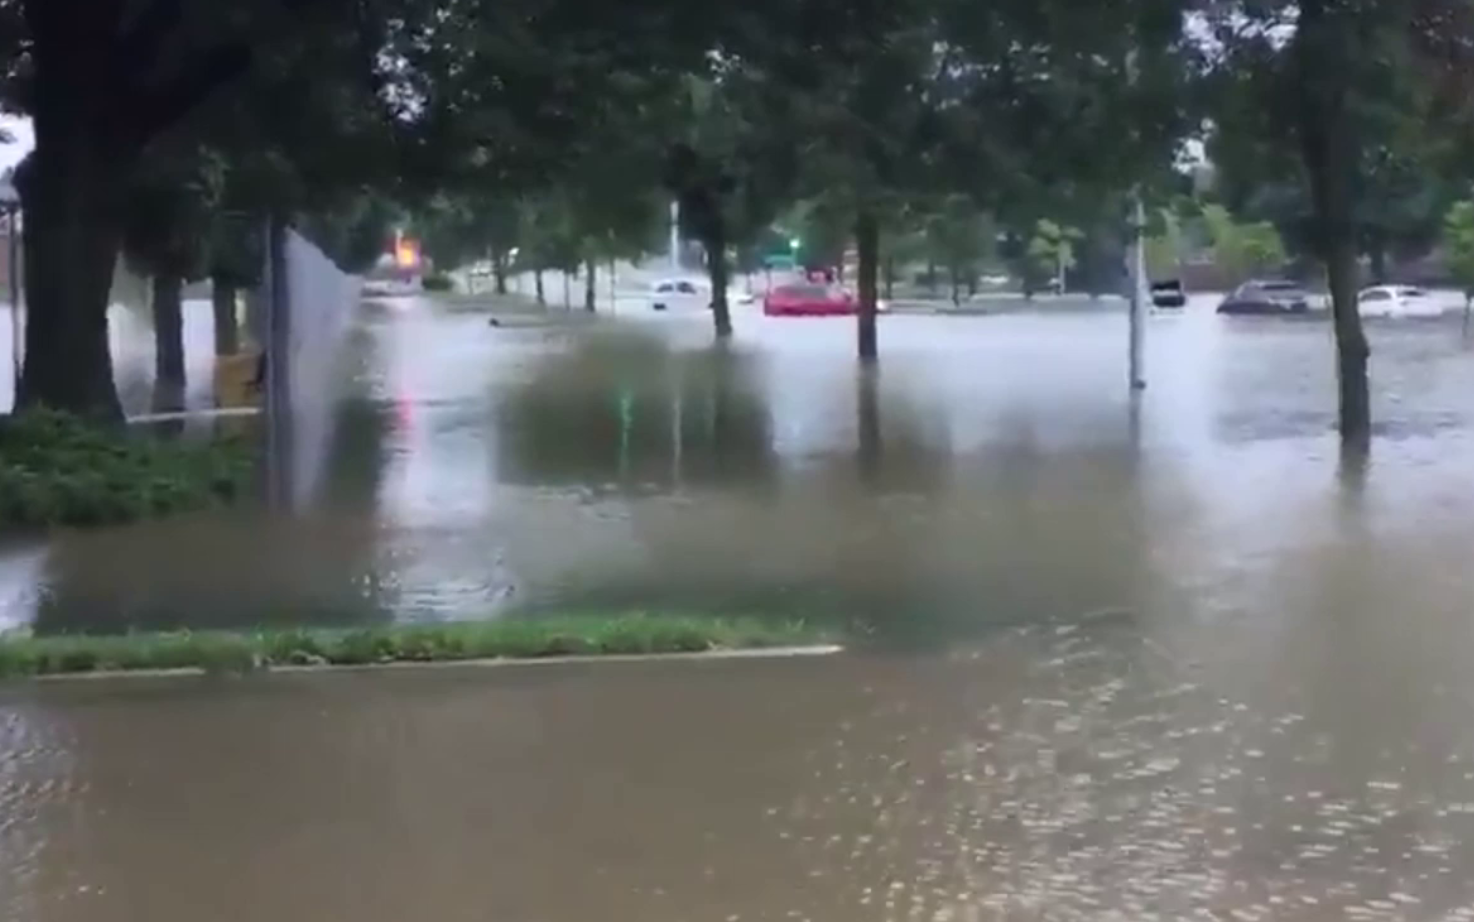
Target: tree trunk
pixel 537 278
pixel 1468 303
pixel 1330 154
pixel 716 267
pixel 590 278
pixel 499 271
pixel 956 281
pixel 867 407
pixel 70 187
pixel 972 284
pixel 168 311
pixel 1352 351
pixel 890 278
pixel 931 275
pixel 867 246
pixel 227 322
pixel 567 289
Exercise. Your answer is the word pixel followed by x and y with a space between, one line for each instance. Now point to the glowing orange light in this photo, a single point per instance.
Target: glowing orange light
pixel 406 254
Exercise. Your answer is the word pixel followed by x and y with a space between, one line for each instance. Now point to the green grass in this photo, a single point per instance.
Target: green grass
pixel 511 638
pixel 58 470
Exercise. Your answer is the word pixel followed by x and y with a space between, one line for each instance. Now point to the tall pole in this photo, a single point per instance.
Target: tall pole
pixel 1138 294
pixel 16 331
pixel 675 235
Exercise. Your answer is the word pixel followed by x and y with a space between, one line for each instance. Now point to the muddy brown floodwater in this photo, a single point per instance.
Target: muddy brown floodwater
pixel 1163 659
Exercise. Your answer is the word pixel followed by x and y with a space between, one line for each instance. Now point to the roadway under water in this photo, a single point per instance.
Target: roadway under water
pixel 1130 660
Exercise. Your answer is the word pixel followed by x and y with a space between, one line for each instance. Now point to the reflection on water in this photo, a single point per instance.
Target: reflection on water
pixel 991 471
pixel 1174 656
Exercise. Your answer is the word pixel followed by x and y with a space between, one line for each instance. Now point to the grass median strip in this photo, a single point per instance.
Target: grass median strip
pixel 510 638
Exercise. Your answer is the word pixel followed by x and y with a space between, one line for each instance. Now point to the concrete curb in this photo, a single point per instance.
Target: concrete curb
pixel 758 653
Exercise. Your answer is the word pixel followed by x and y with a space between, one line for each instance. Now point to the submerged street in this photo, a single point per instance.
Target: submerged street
pixel 1163 659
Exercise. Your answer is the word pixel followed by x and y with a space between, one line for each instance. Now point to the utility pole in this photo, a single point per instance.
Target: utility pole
pixel 1139 296
pixel 1137 267
pixel 675 236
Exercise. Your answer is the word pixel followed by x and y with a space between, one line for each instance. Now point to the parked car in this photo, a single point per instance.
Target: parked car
pixel 1168 293
pixel 678 294
pixel 809 299
pixel 1266 297
pixel 1397 301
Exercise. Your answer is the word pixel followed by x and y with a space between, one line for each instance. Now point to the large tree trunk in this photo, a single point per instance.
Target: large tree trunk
pixel 537 278
pixel 867 407
pixel 70 187
pixel 890 278
pixel 867 246
pixel 1330 152
pixel 590 278
pixel 168 291
pixel 227 322
pixel 716 267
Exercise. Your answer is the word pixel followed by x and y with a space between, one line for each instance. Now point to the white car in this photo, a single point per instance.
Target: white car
pixel 678 295
pixel 1397 301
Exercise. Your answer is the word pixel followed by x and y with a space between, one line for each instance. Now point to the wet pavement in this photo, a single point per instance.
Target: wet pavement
pixel 1167 658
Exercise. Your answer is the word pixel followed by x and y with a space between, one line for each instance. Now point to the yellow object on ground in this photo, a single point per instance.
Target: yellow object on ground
pixel 235 377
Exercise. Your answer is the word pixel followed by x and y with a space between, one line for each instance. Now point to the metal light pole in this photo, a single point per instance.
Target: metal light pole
pixel 675 235
pixel 1138 295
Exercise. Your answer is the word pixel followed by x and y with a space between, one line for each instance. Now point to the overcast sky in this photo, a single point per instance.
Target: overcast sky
pixel 10 154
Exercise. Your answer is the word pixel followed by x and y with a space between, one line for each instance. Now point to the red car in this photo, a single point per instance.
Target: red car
pixel 809 299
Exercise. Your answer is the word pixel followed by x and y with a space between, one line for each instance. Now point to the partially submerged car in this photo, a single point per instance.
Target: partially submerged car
pixel 678 294
pixel 1267 297
pixel 1168 293
pixel 1397 301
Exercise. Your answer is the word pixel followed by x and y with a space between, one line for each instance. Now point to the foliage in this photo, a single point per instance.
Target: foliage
pixel 955 235
pixel 58 470
pixel 508 638
pixel 1243 250
pixel 1052 248
pixel 1458 243
pixel 1164 246
pixel 438 281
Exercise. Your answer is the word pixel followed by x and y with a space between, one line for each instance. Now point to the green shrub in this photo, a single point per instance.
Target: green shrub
pixel 438 282
pixel 23 655
pixel 58 470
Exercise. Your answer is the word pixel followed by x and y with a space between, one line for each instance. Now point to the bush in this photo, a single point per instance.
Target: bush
pixel 438 282
pixel 58 470
pixel 24 655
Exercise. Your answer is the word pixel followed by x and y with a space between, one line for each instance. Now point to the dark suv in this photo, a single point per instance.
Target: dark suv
pixel 1168 293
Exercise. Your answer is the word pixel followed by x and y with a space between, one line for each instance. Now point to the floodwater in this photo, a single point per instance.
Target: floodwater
pixel 993 471
pixel 1165 658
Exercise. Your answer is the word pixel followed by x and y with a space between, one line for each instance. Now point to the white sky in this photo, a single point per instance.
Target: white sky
pixel 11 154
